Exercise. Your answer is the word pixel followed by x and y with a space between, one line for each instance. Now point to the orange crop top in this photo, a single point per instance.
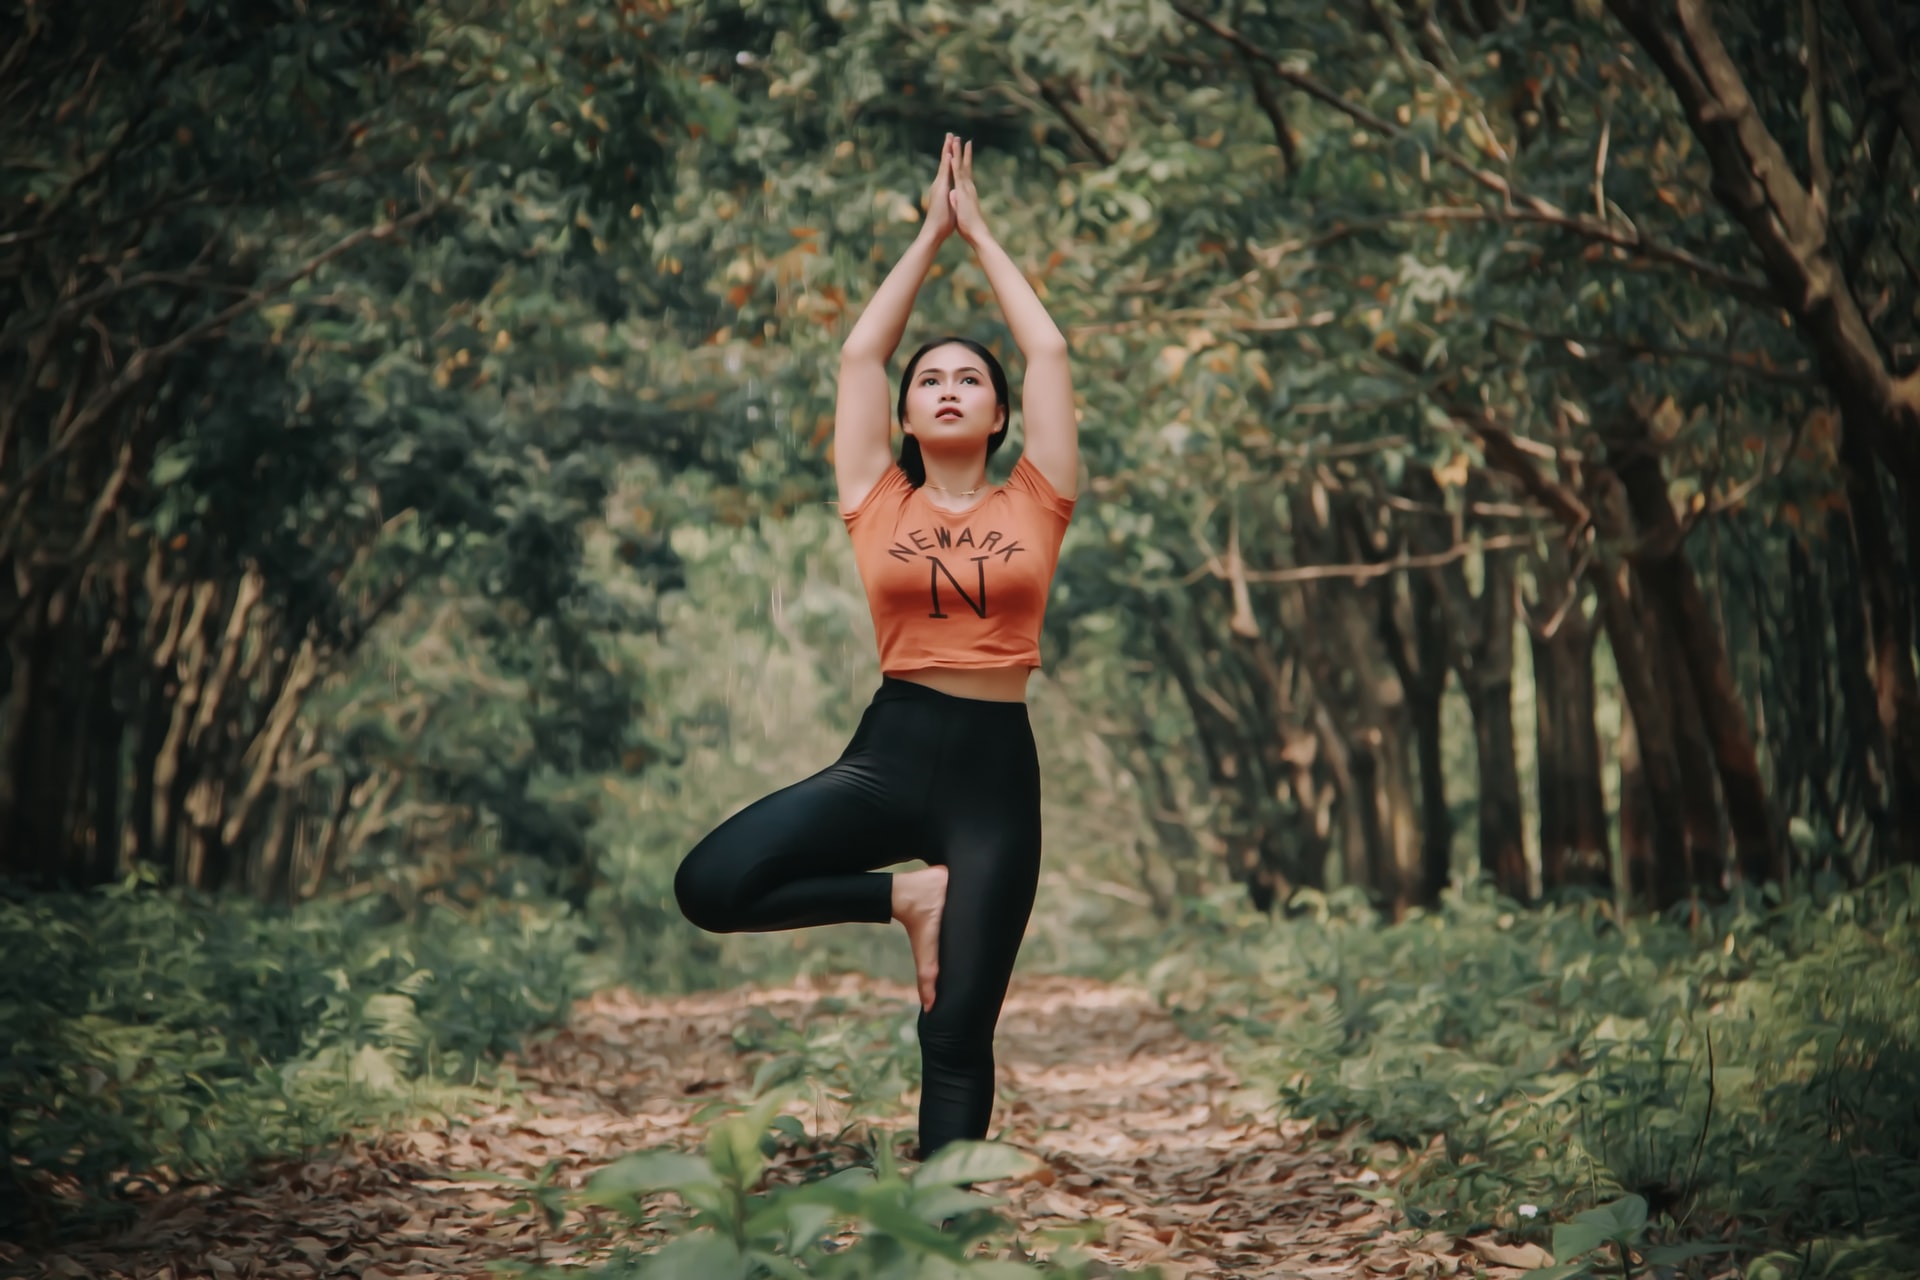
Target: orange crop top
pixel 963 589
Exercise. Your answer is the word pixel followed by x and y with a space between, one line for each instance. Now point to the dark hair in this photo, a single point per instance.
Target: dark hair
pixel 910 461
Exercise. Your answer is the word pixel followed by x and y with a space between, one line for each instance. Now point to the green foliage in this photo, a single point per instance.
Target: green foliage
pixel 1611 1236
pixel 1748 1080
pixel 877 1223
pixel 857 1063
pixel 151 1038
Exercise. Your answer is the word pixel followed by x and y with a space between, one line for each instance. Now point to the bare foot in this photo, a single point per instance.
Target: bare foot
pixel 919 900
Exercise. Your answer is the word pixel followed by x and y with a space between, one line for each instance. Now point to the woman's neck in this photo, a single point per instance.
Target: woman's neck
pixel 955 480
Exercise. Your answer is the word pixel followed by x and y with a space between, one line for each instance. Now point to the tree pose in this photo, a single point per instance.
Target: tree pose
pixel 943 765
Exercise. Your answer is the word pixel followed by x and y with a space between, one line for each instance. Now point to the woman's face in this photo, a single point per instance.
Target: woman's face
pixel 950 401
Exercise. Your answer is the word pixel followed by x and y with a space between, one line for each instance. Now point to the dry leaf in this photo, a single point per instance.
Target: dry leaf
pixel 1141 1130
pixel 1528 1256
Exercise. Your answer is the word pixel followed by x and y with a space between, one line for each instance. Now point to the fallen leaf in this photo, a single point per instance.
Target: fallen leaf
pixel 1525 1255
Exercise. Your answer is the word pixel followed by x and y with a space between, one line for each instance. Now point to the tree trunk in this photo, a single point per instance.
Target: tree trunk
pixel 1675 592
pixel 1375 727
pixel 1356 869
pixel 1634 654
pixel 1353 678
pixel 1643 865
pixel 1413 629
pixel 1436 822
pixel 1890 643
pixel 1699 789
pixel 105 736
pixel 1573 813
pixel 34 749
pixel 1161 804
pixel 1489 688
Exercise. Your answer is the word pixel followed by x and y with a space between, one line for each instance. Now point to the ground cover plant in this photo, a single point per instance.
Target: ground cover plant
pixel 148 1038
pixel 1747 1081
pixel 869 1221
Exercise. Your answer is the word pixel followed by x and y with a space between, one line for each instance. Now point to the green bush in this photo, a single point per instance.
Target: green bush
pixel 148 1038
pixel 1752 1076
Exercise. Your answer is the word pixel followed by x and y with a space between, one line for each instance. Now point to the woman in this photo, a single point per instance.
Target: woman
pixel 943 765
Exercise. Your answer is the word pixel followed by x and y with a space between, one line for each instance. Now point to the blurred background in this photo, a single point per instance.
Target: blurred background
pixel 1501 431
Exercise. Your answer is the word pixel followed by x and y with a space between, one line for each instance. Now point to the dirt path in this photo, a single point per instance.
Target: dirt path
pixel 1145 1133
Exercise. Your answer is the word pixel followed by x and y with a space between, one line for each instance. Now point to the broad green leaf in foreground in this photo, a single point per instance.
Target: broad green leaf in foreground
pixel 973 1162
pixel 698 1257
pixel 647 1171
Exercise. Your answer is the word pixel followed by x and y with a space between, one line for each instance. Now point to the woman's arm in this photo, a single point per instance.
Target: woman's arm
pixel 1046 394
pixel 862 414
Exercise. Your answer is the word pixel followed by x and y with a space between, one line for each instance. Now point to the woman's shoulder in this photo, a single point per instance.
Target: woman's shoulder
pixel 890 488
pixel 1028 481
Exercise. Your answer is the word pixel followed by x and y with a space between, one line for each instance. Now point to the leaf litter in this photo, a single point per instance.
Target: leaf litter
pixel 1155 1153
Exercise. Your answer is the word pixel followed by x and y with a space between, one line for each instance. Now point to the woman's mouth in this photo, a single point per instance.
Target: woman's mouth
pixel 944 414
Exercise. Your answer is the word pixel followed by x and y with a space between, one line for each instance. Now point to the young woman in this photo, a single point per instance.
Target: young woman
pixel 942 766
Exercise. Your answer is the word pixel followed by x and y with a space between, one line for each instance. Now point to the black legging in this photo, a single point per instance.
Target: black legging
pixel 927 775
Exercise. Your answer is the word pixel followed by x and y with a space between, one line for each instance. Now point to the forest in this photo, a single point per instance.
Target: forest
pixel 1478 710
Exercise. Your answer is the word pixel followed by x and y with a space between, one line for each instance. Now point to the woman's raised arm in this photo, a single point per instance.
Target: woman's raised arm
pixel 1046 394
pixel 862 414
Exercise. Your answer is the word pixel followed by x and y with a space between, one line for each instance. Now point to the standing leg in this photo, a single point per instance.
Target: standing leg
pixel 993 867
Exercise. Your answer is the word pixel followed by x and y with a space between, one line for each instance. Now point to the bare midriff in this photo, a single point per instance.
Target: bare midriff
pixel 988 684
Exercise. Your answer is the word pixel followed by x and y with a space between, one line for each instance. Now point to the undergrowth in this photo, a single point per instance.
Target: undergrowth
pixel 150 1038
pixel 1752 1076
pixel 726 1214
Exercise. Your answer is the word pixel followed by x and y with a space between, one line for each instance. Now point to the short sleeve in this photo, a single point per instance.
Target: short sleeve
pixel 889 491
pixel 1028 479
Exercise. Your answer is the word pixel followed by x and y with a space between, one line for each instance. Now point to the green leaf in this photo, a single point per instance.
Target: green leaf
pixel 894 1218
pixel 647 1171
pixel 1576 1239
pixel 733 1146
pixel 702 1256
pixel 780 1266
pixel 1621 1219
pixel 1667 1255
pixel 973 1162
pixel 935 1203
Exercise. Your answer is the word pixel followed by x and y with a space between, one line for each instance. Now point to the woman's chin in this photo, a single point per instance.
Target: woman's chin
pixel 951 437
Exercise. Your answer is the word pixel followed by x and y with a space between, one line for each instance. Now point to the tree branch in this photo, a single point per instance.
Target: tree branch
pixel 1813 107
pixel 1742 287
pixel 1358 572
pixel 1053 98
pixel 1529 207
pixel 151 360
pixel 1884 50
pixel 1275 113
pixel 1800 376
pixel 1789 227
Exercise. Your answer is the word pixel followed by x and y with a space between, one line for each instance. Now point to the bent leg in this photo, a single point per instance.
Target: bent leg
pixel 802 856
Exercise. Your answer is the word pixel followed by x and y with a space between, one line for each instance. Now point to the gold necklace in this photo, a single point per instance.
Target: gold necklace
pixel 955 493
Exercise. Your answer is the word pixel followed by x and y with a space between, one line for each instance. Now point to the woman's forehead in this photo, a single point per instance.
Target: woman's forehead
pixel 949 356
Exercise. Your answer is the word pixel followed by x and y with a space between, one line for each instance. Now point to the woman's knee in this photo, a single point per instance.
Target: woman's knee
pixel 705 893
pixel 958 1029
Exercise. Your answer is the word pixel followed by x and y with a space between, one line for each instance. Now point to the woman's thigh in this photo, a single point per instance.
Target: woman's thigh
pixel 798 857
pixel 991 848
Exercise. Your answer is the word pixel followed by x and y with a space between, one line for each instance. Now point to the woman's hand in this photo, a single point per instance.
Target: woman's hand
pixel 939 224
pixel 964 199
